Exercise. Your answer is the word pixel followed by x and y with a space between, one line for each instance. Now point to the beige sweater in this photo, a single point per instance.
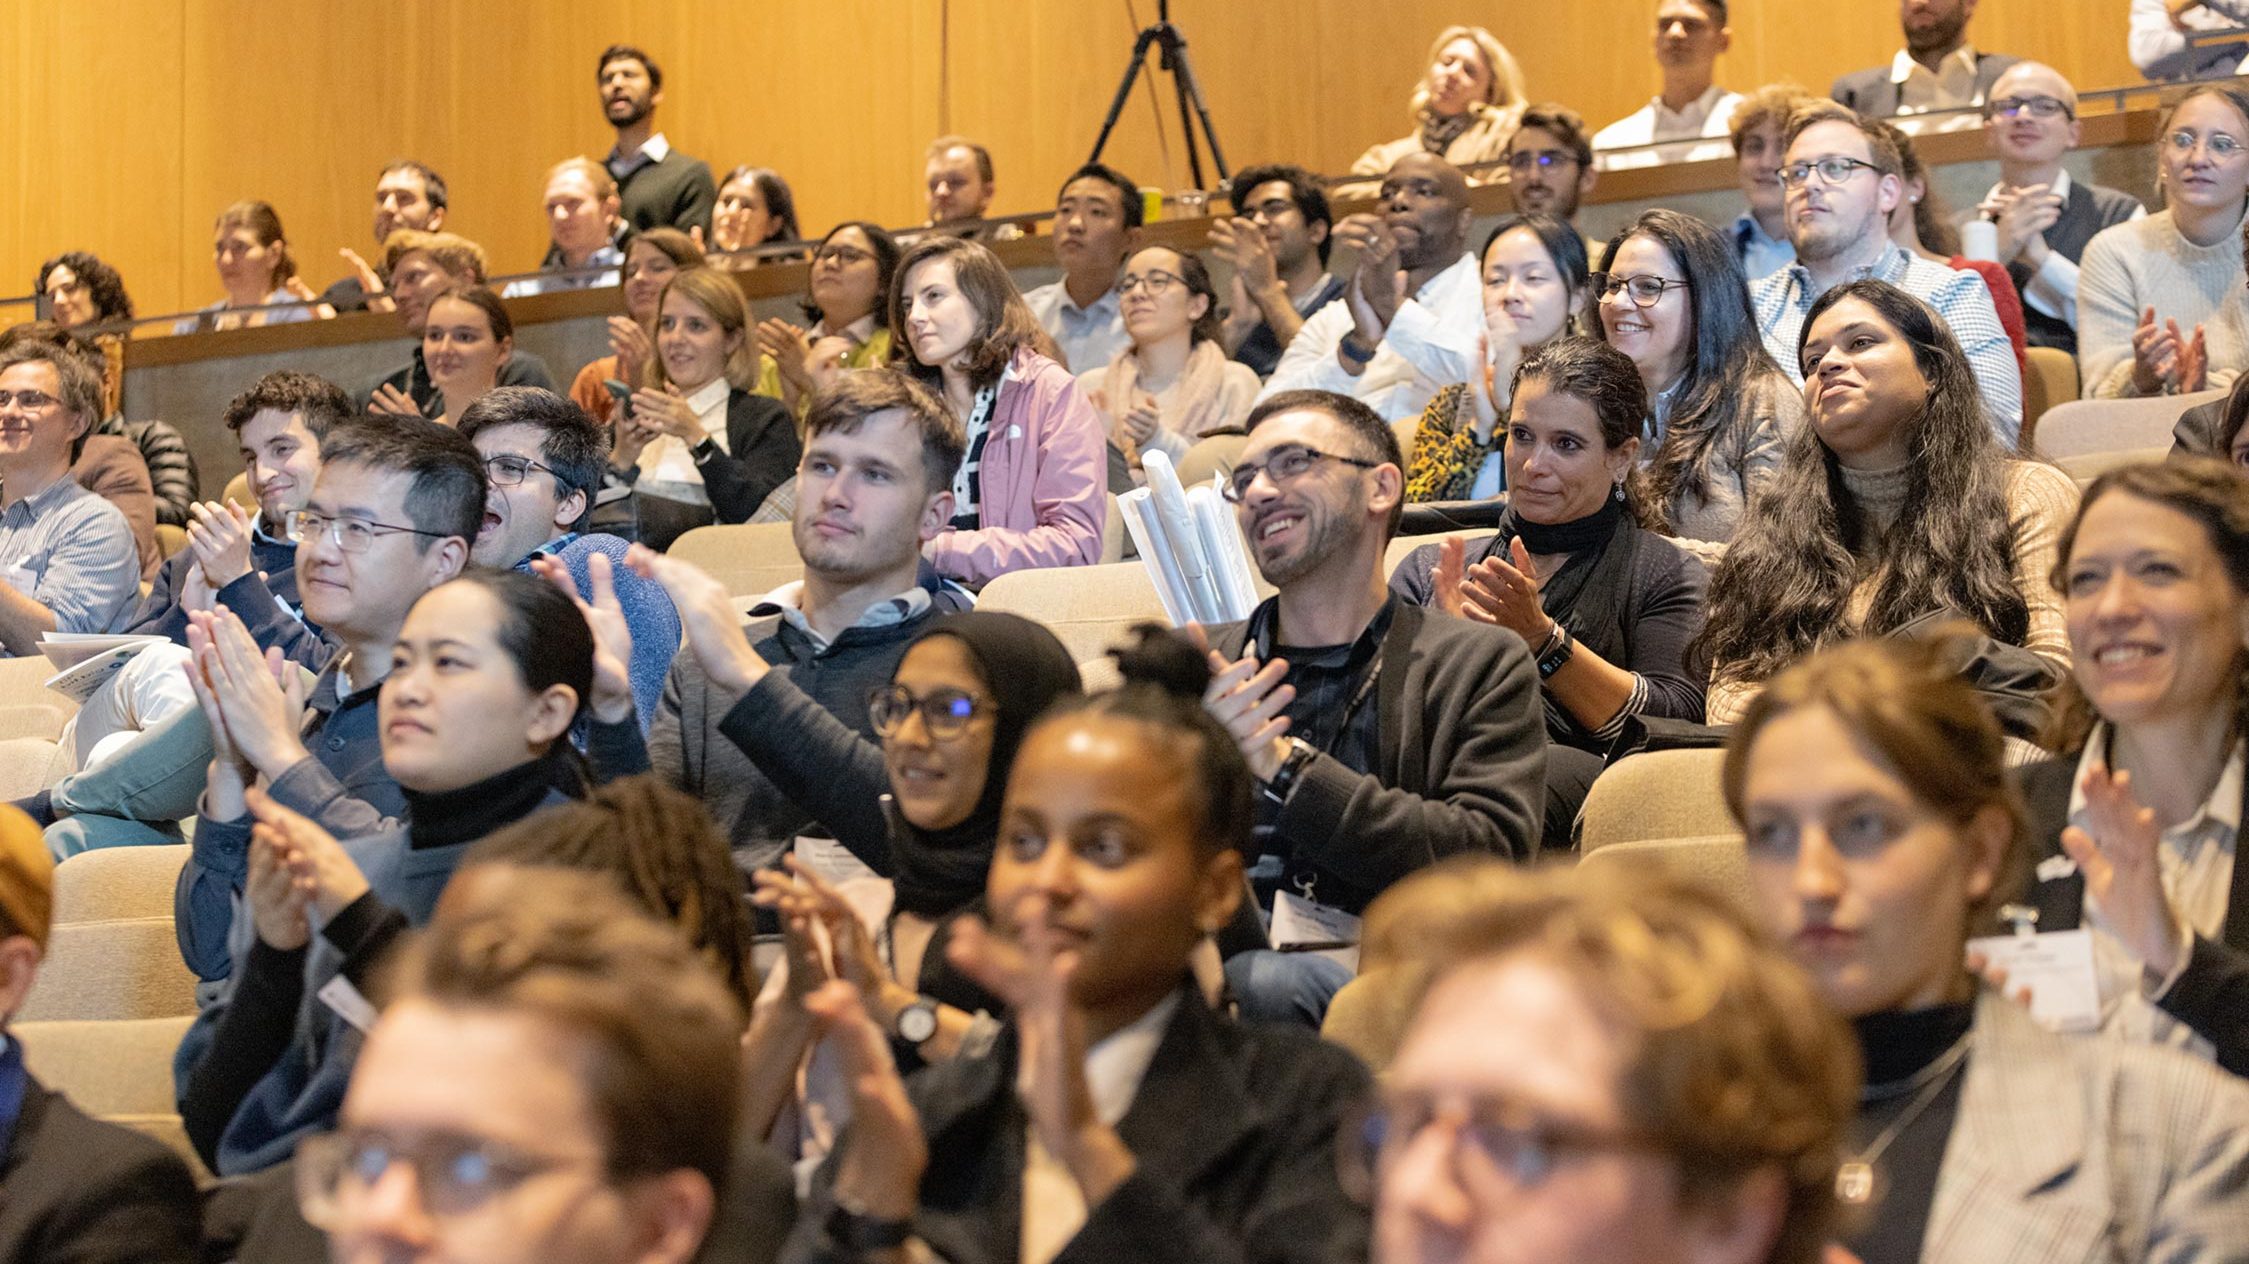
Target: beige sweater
pixel 2145 263
pixel 2040 499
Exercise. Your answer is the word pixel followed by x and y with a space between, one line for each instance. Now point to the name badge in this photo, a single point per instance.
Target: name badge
pixel 2057 967
pixel 831 859
pixel 339 995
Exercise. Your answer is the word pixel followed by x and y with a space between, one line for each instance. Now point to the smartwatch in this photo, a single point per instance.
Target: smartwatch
pixel 1557 653
pixel 916 1023
pixel 1354 350
pixel 703 451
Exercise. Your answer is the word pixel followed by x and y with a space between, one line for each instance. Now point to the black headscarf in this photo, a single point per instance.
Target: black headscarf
pixel 1025 669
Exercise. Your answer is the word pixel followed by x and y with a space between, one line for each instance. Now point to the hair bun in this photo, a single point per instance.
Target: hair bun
pixel 1163 659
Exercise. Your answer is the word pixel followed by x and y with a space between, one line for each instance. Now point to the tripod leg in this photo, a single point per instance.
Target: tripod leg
pixel 1192 91
pixel 1124 92
pixel 1187 130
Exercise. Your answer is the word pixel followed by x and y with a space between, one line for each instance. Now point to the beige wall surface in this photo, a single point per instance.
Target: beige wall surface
pixel 125 125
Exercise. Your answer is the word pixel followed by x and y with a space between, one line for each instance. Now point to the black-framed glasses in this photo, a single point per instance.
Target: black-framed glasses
pixel 1832 170
pixel 944 712
pixel 1287 463
pixel 841 255
pixel 2037 105
pixel 1156 282
pixel 29 401
pixel 510 471
pixel 1644 289
pixel 1517 1143
pixel 352 535
pixel 454 1175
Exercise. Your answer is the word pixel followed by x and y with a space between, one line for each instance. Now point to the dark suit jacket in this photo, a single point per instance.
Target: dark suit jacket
pixel 2201 431
pixel 1871 93
pixel 2212 994
pixel 1234 1127
pixel 761 454
pixel 75 1190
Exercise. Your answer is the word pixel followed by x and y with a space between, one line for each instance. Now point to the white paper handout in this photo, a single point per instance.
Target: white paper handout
pixel 89 659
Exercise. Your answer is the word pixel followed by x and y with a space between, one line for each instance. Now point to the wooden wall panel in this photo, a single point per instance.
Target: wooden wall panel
pixel 129 123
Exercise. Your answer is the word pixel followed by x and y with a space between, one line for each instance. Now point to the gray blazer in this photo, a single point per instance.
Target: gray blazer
pixel 1871 92
pixel 2082 1149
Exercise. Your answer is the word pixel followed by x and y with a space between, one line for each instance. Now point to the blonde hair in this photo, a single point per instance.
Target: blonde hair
pixel 449 251
pixel 716 293
pixel 1506 92
pixel 1733 1064
pixel 1771 106
pixel 604 185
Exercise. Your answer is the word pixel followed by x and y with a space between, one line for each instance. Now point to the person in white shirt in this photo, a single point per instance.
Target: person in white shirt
pixel 1690 34
pixel 2044 219
pixel 1412 312
pixel 1938 70
pixel 1096 224
pixel 2160 31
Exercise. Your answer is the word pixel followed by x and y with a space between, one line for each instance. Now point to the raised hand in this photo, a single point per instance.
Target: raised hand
pixel 630 343
pixel 788 347
pixel 706 610
pixel 1505 592
pixel 277 898
pixel 2193 366
pixel 389 401
pixel 1248 699
pixel 2118 857
pixel 261 695
pixel 330 876
pixel 1377 287
pixel 665 411
pixel 884 1153
pixel 2155 352
pixel 219 532
pixel 612 700
pixel 1451 573
pixel 230 776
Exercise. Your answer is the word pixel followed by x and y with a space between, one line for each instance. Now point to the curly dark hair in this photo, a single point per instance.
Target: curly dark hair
pixel 1785 586
pixel 111 302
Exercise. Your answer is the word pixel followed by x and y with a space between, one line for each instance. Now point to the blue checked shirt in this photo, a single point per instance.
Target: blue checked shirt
pixel 1783 299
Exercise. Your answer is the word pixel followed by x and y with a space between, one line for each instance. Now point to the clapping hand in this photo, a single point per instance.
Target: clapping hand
pixel 2164 359
pixel 788 346
pixel 219 533
pixel 278 898
pixel 1503 592
pixel 666 411
pixel 2023 216
pixel 389 401
pixel 1378 286
pixel 630 344
pixel 370 282
pixel 259 697
pixel 884 1153
pixel 329 876
pixel 2119 858
pixel 1248 699
pixel 706 610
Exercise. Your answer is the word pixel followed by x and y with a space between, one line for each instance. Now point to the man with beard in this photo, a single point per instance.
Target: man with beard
pixel 875 483
pixel 1938 69
pixel 1842 178
pixel 408 194
pixel 1412 313
pixel 1277 245
pixel 1384 737
pixel 656 185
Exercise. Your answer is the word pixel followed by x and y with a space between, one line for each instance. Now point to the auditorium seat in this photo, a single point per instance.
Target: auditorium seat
pixel 118 1071
pixel 123 968
pixel 1087 607
pixel 1714 860
pixel 2091 436
pixel 751 559
pixel 1653 795
pixel 1215 455
pixel 2052 382
pixel 117 884
pixel 238 493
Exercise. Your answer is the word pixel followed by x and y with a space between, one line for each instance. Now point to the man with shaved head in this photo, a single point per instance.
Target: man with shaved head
pixel 2044 218
pixel 1412 313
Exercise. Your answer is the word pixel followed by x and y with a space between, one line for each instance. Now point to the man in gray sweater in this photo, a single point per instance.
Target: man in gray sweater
pixel 874 483
pixel 1384 737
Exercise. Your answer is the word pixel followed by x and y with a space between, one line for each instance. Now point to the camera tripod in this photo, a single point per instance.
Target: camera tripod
pixel 1192 108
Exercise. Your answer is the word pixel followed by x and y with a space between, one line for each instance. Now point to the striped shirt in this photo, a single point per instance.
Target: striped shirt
pixel 71 551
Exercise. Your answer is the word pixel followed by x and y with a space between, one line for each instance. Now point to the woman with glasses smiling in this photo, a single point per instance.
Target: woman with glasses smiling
pixel 1173 385
pixel 851 272
pixel 1674 300
pixel 2160 300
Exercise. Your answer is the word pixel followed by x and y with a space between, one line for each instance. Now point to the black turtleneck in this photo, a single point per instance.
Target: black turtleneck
pixel 1901 1049
pixel 449 817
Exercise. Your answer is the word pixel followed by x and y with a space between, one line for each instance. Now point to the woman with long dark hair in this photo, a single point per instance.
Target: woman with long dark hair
pixel 1674 299
pixel 1895 504
pixel 852 269
pixel 1031 491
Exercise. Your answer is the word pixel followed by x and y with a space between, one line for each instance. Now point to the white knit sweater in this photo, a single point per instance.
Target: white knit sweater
pixel 2146 263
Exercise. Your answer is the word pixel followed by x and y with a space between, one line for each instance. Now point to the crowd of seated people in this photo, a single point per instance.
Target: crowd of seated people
pixel 547 898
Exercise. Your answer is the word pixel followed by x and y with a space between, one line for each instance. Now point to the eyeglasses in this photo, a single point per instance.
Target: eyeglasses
pixel 454 1176
pixel 1517 1143
pixel 944 712
pixel 2037 106
pixel 510 471
pixel 841 256
pixel 2221 146
pixel 1543 159
pixel 352 535
pixel 1644 290
pixel 29 401
pixel 1831 170
pixel 1288 463
pixel 1156 283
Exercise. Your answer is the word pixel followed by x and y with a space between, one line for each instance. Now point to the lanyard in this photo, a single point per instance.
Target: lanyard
pixel 14 1080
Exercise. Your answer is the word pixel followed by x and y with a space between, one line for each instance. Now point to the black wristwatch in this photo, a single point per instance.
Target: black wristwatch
pixel 703 451
pixel 1300 756
pixel 853 1229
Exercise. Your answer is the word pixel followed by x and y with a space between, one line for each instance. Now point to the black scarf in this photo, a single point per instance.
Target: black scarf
pixel 1587 595
pixel 447 817
pixel 934 872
